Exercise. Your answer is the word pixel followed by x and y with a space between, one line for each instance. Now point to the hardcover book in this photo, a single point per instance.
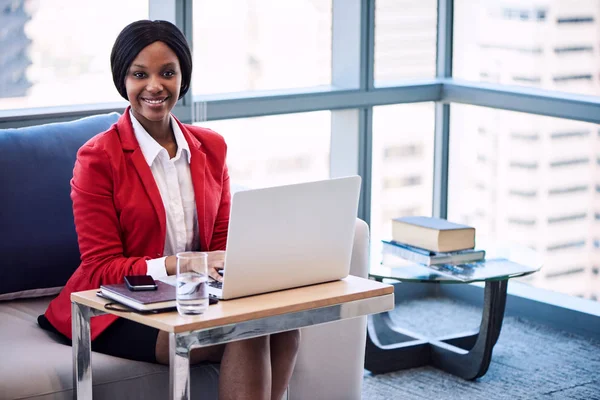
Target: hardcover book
pixel 426 257
pixel 433 234
pixel 147 300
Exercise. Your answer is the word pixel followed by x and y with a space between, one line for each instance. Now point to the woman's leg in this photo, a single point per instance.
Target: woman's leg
pixel 245 371
pixel 211 353
pixel 258 368
pixel 284 349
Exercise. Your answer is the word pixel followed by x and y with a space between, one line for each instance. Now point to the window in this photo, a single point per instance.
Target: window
pixel 57 53
pixel 403 182
pixel 570 271
pixel 530 137
pixel 564 163
pixel 567 218
pixel 521 221
pixel 407 150
pixel 523 165
pixel 242 45
pixel 567 245
pixel 519 14
pixel 391 213
pixel 523 46
pixel 574 49
pixel 547 209
pixel 527 79
pixel 405 39
pixel 570 189
pixel 565 78
pixel 561 135
pixel 523 193
pixel 276 150
pixel 517 49
pixel 575 20
pixel 407 212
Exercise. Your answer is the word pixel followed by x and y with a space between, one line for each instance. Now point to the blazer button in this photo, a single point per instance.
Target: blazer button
pixel 157 254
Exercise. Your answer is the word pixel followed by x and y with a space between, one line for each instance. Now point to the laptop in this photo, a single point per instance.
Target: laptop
pixel 289 236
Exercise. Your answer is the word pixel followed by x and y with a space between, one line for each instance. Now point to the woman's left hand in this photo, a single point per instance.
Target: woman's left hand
pixel 216 262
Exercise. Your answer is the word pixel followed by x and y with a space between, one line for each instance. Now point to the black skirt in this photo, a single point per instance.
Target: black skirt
pixel 123 338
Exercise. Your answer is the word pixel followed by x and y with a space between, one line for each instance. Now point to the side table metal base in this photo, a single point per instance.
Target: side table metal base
pixel 468 355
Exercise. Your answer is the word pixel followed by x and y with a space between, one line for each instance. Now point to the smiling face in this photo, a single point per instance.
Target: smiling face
pixel 153 83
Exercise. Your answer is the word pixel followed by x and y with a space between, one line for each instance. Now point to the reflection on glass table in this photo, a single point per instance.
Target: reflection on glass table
pixel 468 355
pixel 501 262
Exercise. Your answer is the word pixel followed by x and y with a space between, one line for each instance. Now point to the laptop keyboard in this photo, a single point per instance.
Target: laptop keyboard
pixel 216 284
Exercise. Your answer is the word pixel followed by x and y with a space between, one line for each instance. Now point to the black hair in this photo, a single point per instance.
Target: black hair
pixel 135 37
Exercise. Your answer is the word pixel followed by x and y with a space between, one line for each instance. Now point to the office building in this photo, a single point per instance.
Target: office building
pixel 14 57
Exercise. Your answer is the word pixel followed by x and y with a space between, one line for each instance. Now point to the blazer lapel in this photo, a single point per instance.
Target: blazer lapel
pixel 197 168
pixel 198 172
pixel 145 174
pixel 131 145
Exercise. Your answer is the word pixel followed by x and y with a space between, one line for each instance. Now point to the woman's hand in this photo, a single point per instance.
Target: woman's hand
pixel 216 261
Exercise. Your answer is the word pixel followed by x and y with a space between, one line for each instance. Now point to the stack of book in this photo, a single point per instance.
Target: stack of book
pixel 431 241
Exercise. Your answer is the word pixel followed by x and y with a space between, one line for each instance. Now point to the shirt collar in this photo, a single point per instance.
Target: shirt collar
pixel 150 147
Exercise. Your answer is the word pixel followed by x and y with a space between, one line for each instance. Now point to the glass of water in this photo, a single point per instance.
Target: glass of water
pixel 192 277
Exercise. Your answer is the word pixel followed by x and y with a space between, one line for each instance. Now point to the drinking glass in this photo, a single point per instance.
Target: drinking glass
pixel 192 277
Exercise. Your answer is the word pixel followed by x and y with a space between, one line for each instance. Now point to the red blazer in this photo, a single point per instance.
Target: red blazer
pixel 119 214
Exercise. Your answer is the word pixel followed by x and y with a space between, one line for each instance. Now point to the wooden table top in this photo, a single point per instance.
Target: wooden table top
pixel 227 312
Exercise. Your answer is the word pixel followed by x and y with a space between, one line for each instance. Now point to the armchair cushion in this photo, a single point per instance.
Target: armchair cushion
pixel 38 242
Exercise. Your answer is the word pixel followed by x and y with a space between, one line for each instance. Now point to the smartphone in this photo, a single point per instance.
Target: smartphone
pixel 140 282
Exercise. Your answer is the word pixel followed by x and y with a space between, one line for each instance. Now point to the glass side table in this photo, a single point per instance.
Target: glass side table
pixel 468 355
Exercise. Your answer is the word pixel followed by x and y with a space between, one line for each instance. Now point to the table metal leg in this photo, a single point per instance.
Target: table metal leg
pixel 82 351
pixel 179 369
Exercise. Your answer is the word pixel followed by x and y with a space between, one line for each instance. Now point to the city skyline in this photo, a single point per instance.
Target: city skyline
pixel 535 174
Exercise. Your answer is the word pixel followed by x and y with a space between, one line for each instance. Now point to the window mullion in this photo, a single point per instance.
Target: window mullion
pixel 352 68
pixel 442 111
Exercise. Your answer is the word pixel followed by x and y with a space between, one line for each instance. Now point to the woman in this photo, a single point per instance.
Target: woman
pixel 150 187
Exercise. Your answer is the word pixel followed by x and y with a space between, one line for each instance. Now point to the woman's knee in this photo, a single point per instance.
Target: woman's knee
pixel 197 355
pixel 162 348
pixel 290 339
pixel 257 344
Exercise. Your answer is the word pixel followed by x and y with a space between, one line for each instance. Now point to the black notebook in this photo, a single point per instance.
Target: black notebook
pixel 162 298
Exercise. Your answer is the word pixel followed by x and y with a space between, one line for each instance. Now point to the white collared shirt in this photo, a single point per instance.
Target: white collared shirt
pixel 174 180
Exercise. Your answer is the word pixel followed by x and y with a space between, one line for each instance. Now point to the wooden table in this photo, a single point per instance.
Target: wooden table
pixel 228 321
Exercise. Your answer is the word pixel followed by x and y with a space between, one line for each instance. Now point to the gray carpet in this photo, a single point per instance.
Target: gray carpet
pixel 530 361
